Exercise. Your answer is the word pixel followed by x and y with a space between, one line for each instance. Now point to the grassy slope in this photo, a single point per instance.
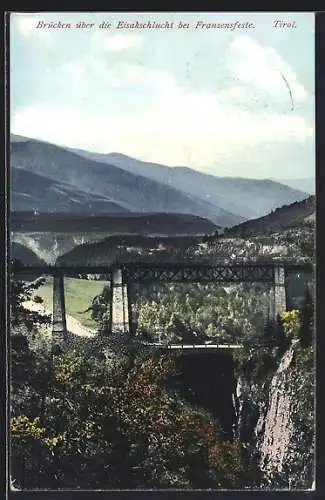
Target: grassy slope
pixel 78 297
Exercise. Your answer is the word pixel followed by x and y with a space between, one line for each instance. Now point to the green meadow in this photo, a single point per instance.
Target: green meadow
pixel 79 294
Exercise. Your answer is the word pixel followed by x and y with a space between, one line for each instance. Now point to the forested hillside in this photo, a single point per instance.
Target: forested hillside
pixel 115 412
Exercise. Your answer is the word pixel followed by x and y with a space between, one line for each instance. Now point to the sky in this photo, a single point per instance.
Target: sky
pixel 225 101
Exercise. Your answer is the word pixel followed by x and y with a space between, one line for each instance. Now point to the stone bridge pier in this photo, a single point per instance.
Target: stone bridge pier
pixel 278 295
pixel 120 312
pixel 59 323
pixel 120 307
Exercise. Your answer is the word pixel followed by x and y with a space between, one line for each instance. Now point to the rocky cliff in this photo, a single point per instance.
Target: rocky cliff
pixel 276 420
pixel 275 428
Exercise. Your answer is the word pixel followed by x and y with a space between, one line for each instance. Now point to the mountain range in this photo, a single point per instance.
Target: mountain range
pixel 234 194
pixel 56 179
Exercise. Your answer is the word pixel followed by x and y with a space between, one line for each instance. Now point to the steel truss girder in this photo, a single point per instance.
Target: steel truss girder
pixel 221 273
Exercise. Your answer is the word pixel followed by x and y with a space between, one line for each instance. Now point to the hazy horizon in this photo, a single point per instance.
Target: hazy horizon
pixel 278 179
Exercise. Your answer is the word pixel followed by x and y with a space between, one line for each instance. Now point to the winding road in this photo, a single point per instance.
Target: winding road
pixel 73 325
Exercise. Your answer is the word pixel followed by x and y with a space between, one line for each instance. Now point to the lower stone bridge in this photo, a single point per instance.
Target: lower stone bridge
pixel 123 276
pixel 206 347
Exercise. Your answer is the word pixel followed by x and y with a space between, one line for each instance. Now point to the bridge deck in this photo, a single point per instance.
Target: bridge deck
pixel 172 271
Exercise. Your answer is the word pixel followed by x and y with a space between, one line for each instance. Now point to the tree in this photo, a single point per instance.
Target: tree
pixel 22 320
pixel 307 246
pixel 291 323
pixel 105 425
pixel 100 310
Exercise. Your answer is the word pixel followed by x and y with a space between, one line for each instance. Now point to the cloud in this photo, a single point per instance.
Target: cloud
pixel 114 84
pixel 189 126
pixel 263 69
pixel 148 113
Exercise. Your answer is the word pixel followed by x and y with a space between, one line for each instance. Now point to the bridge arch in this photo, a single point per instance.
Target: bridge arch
pixel 25 255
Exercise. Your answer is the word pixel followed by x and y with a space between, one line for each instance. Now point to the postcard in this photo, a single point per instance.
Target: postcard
pixel 162 251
